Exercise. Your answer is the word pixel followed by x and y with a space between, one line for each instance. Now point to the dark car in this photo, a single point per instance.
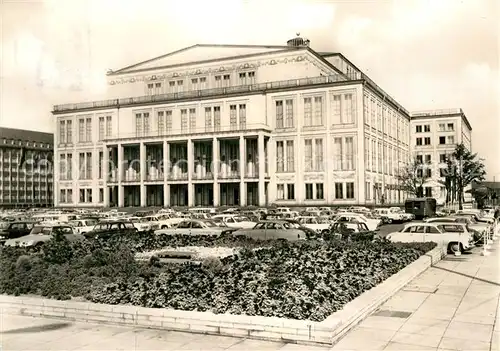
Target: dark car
pixel 16 230
pixel 104 230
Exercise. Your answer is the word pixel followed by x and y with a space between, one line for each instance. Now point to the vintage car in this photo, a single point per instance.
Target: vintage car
pixel 478 229
pixel 319 225
pixel 388 216
pixel 354 227
pixel 196 227
pixel 235 221
pixel 104 230
pixel 453 236
pixel 83 226
pixel 147 223
pixel 273 229
pixel 16 230
pixel 43 233
pixel 372 224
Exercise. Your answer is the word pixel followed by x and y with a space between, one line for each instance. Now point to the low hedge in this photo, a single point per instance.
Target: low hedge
pixel 300 280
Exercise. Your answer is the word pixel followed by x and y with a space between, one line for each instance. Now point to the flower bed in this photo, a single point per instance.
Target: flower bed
pixel 301 280
pixel 196 253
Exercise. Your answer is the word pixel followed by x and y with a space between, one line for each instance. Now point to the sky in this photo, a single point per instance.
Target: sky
pixel 427 54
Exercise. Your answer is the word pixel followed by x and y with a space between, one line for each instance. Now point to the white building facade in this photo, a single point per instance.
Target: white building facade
pixel 434 136
pixel 217 125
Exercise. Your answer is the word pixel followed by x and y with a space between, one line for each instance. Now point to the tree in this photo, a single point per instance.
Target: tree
pixel 412 177
pixel 463 168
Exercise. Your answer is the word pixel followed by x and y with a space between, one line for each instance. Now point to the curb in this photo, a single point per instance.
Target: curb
pixel 254 327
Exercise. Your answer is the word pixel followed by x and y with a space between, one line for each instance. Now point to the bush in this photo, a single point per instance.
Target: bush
pixel 300 280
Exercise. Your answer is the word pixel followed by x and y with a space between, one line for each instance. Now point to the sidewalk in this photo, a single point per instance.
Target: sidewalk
pixel 452 306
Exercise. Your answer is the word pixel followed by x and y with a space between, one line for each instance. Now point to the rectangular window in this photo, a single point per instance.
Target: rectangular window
pixel 88 195
pixel 233 120
pixel 69 131
pixel 279 114
pixel 208 119
pixel 203 83
pixel 290 191
pixel 309 191
pixel 339 191
pixel 366 109
pixel 428 192
pixel 428 158
pixel 145 123
pixel 81 130
pixel 243 116
pixel 82 195
pixel 88 170
pixel 101 195
pixel 419 141
pixel 243 78
pixel 62 195
pixel 349 112
pixel 69 166
pixel 192 120
pixel 109 126
pixel 289 114
pixel 367 154
pixel 349 190
pixel 158 89
pixel 194 84
pixel 184 120
pixel 350 165
pixel 218 81
pixel 320 194
pixel 442 158
pixel 180 86
pixel 450 139
pixel 374 156
pixel 441 127
pixel 88 130
pixel 279 157
pixel 373 110
pixel 451 127
pixel 337 154
pixel 419 129
pixel 380 159
pixel 150 89
pixel 168 121
pixel 442 140
pixel 217 118
pixel 280 191
pixel 367 191
pixel 227 80
pixel 427 128
pixel 318 111
pixel 138 124
pixel 101 128
pixel 81 165
pixel 62 132
pixel 101 164
pixel 308 153
pixel 307 111
pixel 318 155
pixel 290 156
pixel 251 78
pixel 62 167
pixel 161 122
pixel 336 109
pixel 427 141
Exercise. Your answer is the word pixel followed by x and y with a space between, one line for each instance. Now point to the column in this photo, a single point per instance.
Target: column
pixel 166 170
pixel 243 190
pixel 261 169
pixel 121 197
pixel 105 175
pixel 190 160
pixel 142 170
pixel 215 170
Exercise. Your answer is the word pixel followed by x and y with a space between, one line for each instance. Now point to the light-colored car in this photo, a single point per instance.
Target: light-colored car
pixel 372 224
pixel 40 234
pixel 235 221
pixel 452 236
pixel 389 215
pixel 356 227
pixel 274 229
pixel 196 227
pixel 317 224
pixel 406 216
pixel 83 226
pixel 147 223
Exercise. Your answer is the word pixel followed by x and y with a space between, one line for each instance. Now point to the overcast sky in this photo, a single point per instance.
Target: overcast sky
pixel 426 54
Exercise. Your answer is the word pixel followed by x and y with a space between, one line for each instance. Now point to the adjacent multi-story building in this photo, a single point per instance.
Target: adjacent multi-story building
pixel 26 178
pixel 434 136
pixel 233 125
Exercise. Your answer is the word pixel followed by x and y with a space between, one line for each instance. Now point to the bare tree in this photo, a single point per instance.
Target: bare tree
pixel 412 177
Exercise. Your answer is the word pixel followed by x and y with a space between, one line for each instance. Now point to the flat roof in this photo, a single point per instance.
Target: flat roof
pixel 26 135
pixel 441 113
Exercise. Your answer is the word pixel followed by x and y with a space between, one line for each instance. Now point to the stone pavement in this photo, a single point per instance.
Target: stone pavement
pixel 452 306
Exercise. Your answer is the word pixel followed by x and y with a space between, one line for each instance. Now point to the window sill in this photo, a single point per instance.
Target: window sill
pixel 285 130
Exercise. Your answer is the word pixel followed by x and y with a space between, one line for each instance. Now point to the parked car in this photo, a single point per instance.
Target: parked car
pixel 40 234
pixel 390 216
pixel 15 230
pixel 235 221
pixel 147 223
pixel 373 224
pixel 313 223
pixel 83 226
pixel 196 227
pixel 273 229
pixel 105 230
pixel 449 235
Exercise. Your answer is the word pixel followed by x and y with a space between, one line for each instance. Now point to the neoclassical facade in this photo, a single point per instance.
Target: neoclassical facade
pixel 216 125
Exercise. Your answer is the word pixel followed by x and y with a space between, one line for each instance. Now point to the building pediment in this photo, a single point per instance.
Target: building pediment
pixel 201 53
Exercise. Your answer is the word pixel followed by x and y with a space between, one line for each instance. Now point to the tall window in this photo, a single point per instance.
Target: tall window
pixel 217 118
pixel 367 154
pixel 208 119
pixel 290 189
pixel 280 191
pixel 290 156
pixel 184 121
pixel 318 157
pixel 81 130
pixel 379 116
pixel 192 119
pixel 233 120
pixel 158 89
pixel 380 169
pixel 308 153
pixel 69 131
pixel 138 124
pixel 161 122
pixel 279 114
pixel 336 107
pixel 289 114
pixel 88 167
pixel 309 191
pixel 367 191
pixel 168 121
pixel 109 126
pixel 81 165
pixel 313 111
pixel 203 83
pixel 337 154
pixel 146 125
pixel 372 113
pixel 62 132
pixel 307 111
pixel 374 156
pixel 88 129
pixel 366 109
pixel 349 153
pixel 320 194
pixel 62 167
pixel 349 190
pixel 101 128
pixel 243 116
pixel 279 157
pixel 349 112
pixel 101 164
pixel 318 111
pixel 69 166
pixel 339 191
